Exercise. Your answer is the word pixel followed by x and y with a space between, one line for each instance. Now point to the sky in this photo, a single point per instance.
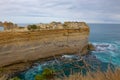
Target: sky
pixel 43 11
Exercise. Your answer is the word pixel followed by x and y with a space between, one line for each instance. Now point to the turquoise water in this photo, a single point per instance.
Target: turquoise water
pixel 106 39
pixel 66 65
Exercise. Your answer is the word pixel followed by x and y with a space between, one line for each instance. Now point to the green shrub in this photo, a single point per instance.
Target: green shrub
pixel 39 77
pixel 32 27
pixel 21 27
pixel 1 70
pixel 65 26
pixel 47 74
pixel 15 78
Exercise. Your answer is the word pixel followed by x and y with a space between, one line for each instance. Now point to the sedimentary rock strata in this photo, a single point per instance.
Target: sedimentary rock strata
pixel 24 47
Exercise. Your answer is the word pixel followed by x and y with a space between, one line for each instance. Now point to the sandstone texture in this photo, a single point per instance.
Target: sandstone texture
pixel 23 47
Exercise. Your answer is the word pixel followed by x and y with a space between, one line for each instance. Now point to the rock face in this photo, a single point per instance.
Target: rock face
pixel 22 47
pixel 91 47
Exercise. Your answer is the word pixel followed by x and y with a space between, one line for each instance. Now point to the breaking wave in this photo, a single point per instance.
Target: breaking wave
pixel 108 52
pixel 103 47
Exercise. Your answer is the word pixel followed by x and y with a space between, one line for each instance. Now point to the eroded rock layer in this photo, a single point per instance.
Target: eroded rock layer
pixel 18 49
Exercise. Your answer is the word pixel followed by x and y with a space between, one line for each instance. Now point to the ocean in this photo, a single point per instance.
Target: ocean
pixel 106 38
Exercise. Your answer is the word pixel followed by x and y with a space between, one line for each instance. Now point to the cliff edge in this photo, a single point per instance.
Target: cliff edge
pixel 23 47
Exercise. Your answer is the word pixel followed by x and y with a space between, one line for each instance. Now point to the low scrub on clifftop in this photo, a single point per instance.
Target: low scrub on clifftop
pixel 48 74
pixel 15 78
pixel 109 75
pixel 32 27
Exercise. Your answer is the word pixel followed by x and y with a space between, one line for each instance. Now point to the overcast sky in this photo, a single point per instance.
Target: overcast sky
pixel 35 11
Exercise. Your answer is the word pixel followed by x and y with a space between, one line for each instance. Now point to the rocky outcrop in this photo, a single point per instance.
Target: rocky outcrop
pixel 58 25
pixel 91 47
pixel 74 25
pixel 50 26
pixel 25 47
pixel 9 26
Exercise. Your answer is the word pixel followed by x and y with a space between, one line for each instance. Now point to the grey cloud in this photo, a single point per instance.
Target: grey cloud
pixel 85 10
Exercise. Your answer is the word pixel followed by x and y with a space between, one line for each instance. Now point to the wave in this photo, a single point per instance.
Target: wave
pixel 108 52
pixel 103 47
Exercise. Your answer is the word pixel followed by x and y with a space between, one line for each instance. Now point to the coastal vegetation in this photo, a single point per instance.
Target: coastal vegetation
pixel 32 27
pixel 1 70
pixel 9 26
pixel 109 75
pixel 48 74
pixel 15 78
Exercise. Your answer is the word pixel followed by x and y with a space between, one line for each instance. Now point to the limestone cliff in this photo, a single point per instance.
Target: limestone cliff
pixel 22 47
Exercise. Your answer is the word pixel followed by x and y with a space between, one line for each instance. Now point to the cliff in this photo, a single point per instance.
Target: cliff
pixel 24 47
